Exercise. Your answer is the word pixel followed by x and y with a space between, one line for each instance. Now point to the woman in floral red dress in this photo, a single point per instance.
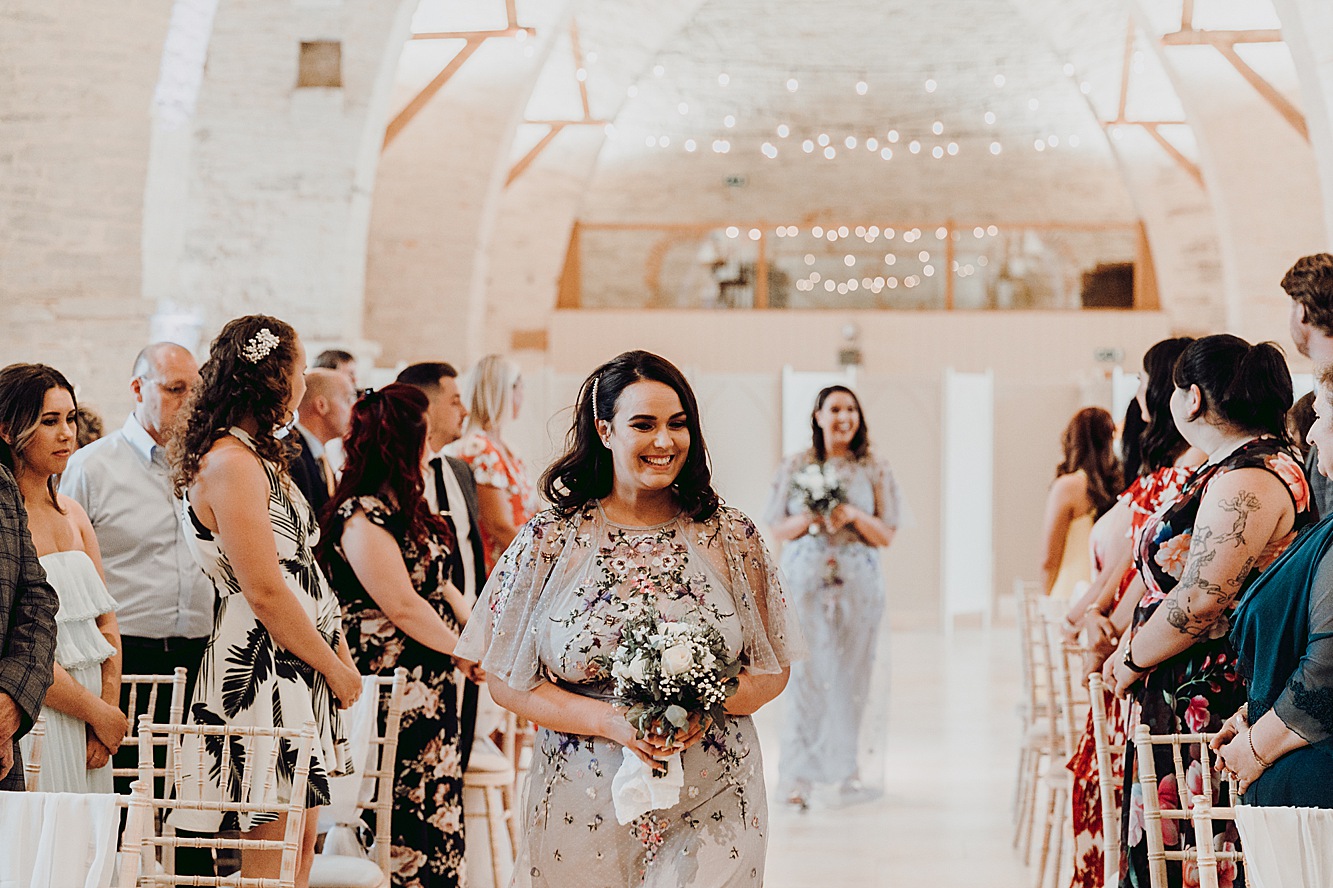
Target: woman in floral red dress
pixel 506 497
pixel 1167 460
pixel 1198 554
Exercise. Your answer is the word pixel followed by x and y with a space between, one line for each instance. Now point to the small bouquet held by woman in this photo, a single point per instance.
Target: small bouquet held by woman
pixel 821 490
pixel 672 674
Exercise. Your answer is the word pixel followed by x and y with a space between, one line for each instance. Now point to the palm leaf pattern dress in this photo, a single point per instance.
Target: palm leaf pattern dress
pixel 247 679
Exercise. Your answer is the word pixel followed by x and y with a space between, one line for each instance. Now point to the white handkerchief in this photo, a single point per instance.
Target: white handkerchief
pixel 636 791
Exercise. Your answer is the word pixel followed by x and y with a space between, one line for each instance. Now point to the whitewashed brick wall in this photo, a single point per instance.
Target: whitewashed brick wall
pixel 75 87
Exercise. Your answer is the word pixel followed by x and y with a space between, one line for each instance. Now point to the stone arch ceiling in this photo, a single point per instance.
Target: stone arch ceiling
pixel 921 65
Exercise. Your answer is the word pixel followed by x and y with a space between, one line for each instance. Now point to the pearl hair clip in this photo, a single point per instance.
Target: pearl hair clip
pixel 260 346
pixel 595 417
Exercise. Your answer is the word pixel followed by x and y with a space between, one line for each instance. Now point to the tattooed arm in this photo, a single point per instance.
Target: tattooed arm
pixel 1242 512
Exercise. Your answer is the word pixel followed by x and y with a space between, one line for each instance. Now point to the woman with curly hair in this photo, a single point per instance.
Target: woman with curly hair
pixel 1086 484
pixel 277 655
pixel 636 532
pixel 387 558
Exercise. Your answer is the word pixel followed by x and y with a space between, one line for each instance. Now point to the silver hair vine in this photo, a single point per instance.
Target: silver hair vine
pixel 260 346
pixel 595 418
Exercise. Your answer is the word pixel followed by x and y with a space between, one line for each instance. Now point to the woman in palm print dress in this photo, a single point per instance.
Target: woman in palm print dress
pixel 1197 555
pixel 277 657
pixel 386 555
pixel 636 527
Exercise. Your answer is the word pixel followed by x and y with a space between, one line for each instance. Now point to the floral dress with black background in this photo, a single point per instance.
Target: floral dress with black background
pixel 427 823
pixel 1196 690
pixel 556 602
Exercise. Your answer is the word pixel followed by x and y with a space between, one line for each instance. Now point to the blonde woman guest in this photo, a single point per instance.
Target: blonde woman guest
pixel 1087 482
pixel 505 494
pixel 84 724
pixel 277 655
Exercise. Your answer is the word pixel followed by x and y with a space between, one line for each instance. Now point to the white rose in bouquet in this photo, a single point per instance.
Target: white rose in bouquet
pixel 677 659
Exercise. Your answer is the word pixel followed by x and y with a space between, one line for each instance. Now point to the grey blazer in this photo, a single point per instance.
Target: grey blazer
pixel 27 620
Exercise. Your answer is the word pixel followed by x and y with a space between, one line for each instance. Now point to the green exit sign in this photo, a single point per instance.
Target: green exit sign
pixel 735 181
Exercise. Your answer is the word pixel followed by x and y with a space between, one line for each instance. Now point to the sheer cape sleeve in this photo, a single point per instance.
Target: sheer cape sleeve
pixel 771 640
pixel 888 496
pixel 1306 703
pixel 505 630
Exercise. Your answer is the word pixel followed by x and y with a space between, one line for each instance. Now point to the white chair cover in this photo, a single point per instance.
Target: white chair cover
pixel 1285 847
pixel 58 840
pixel 344 792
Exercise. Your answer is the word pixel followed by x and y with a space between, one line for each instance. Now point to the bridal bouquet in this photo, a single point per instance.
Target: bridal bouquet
pixel 820 488
pixel 665 671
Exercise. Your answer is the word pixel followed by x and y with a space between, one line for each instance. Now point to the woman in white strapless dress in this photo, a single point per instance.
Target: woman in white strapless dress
pixel 84 724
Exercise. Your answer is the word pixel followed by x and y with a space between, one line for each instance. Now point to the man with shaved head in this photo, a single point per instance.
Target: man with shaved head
pixel 122 481
pixel 325 415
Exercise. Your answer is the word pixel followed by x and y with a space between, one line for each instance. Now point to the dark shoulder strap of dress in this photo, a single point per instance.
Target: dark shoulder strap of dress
pixel 1263 453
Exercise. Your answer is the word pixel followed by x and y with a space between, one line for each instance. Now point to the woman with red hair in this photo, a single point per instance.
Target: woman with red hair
pixel 385 552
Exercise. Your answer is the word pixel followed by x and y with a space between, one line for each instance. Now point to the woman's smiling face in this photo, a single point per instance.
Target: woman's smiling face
pixel 648 436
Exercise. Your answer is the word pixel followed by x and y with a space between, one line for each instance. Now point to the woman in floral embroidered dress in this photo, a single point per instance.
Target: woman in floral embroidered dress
pixel 1198 554
pixel 506 498
pixel 385 553
pixel 831 567
pixel 636 525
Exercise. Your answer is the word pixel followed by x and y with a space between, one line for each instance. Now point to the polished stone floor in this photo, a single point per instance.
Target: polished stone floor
pixel 944 820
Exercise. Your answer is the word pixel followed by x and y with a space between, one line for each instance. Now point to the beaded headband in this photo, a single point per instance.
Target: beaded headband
pixel 260 346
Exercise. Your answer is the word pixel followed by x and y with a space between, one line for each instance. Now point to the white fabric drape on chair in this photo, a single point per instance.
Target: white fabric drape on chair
pixel 58 839
pixel 1286 846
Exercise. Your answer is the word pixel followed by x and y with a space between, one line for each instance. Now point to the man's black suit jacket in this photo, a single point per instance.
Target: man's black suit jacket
pixel 307 475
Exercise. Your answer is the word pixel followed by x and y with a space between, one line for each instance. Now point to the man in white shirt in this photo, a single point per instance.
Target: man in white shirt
pixel 123 482
pixel 451 491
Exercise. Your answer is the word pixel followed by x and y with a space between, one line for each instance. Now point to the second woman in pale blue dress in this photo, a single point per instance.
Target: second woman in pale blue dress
pixel 831 571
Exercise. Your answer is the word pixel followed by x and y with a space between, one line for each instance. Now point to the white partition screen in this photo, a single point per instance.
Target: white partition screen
pixel 799 389
pixel 967 542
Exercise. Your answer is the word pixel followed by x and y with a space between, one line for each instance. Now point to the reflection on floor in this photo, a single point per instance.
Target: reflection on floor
pixel 944 821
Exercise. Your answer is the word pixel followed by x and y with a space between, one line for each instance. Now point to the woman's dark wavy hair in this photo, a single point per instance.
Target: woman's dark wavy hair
pixel 1161 444
pixel 23 389
pixel 231 389
pixel 860 444
pixel 1088 444
pixel 384 447
pixel 1243 385
pixel 585 473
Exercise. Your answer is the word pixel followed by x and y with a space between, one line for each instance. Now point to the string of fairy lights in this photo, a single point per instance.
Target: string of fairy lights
pixel 695 130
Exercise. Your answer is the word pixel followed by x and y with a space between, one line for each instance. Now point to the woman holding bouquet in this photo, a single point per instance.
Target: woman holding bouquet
pixel 636 534
pixel 836 506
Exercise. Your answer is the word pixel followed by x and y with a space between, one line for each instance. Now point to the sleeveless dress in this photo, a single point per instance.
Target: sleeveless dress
pixel 246 678
pixel 81 649
pixel 1076 561
pixel 555 601
pixel 1199 688
pixel 837 593
pixel 427 822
